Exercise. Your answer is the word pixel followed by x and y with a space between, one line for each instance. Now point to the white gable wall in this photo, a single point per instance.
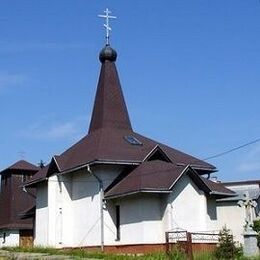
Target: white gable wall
pixel 188 208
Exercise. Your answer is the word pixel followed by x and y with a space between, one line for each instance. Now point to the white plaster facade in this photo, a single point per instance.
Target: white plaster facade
pixel 68 211
pixel 9 238
pixel 233 216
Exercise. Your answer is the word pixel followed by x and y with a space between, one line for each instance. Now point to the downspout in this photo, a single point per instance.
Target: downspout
pixel 101 191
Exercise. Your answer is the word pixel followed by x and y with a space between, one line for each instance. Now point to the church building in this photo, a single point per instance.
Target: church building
pixel 115 188
pixel 17 206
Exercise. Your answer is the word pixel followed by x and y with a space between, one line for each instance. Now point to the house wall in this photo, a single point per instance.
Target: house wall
pixel 11 238
pixel 68 208
pixel 41 220
pixel 140 220
pixel 189 209
pixel 85 198
pixel 68 211
pixel 233 217
pixel 146 217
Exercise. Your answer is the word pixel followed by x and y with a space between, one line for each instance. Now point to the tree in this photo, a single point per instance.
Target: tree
pixel 226 248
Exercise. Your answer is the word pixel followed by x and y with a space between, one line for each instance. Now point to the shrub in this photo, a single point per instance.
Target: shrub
pixel 256 227
pixel 226 248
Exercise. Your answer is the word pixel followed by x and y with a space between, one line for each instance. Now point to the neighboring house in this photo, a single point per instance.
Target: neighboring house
pixel 16 206
pixel 232 213
pixel 116 188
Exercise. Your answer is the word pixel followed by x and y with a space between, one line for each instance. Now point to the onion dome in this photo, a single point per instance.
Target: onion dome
pixel 107 53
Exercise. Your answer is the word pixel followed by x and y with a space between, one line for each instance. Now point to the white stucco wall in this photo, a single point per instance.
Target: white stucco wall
pixel 189 209
pixel 41 220
pixel 68 211
pixel 11 238
pixel 233 217
pixel 140 220
pixel 86 205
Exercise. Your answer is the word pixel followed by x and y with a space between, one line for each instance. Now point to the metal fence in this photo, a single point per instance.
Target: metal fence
pixel 190 241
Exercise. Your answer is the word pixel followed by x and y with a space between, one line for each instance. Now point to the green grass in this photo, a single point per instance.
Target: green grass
pixel 83 253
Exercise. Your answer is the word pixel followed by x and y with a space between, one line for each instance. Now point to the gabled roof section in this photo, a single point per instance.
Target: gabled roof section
pixel 22 165
pixel 217 188
pixel 109 110
pixel 157 154
pixel 159 176
pixel 40 176
pixel 110 145
pixel 53 166
pixel 150 176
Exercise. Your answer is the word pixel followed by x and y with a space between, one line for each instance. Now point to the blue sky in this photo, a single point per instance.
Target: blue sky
pixel 189 71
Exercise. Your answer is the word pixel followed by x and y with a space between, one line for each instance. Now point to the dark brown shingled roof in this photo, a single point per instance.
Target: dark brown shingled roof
pixel 160 176
pixel 110 145
pixel 22 165
pixel 109 127
pixel 13 200
pixel 109 109
pixel 217 188
pixel 38 177
pixel 149 176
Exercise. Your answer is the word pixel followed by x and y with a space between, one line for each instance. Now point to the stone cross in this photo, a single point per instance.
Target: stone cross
pixel 106 25
pixel 249 204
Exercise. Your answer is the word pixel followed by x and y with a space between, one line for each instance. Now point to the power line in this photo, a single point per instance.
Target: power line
pixel 231 150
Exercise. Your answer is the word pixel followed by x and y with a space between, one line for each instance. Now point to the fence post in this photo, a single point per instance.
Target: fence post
pixel 189 246
pixel 167 243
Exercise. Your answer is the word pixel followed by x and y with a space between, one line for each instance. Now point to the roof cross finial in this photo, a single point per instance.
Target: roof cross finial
pixel 106 25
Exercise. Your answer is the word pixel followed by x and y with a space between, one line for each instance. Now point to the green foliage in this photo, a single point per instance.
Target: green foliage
pixel 204 255
pixel 177 254
pixel 226 248
pixel 256 227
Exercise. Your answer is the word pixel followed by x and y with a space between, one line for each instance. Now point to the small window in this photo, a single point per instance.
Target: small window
pixel 117 222
pixel 133 140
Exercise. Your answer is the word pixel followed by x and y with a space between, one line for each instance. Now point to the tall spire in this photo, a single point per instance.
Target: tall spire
pixel 109 109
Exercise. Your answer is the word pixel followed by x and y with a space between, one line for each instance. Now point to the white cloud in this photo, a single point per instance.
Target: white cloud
pixel 8 79
pixel 251 163
pixel 51 129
